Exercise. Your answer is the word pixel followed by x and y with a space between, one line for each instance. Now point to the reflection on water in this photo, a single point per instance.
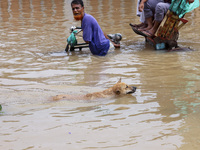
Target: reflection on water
pixel 163 113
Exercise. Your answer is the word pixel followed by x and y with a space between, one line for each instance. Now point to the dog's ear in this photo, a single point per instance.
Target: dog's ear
pixel 119 80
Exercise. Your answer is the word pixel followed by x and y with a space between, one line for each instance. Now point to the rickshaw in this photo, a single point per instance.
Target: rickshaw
pixel 72 42
pixel 167 33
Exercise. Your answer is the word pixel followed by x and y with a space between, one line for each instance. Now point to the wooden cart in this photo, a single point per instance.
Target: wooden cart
pixel 167 33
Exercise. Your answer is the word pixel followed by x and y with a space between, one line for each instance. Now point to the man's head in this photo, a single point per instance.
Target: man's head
pixel 77 9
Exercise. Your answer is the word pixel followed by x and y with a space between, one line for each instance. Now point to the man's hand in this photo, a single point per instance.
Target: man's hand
pixel 141 7
pixel 116 45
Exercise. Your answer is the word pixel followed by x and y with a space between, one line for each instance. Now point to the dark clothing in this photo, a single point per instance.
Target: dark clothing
pixel 167 1
pixel 161 10
pixel 156 9
pixel 149 7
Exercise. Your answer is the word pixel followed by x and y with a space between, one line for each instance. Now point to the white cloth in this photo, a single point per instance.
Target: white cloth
pixel 112 47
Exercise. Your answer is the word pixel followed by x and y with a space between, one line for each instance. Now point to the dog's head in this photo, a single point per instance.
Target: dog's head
pixel 121 88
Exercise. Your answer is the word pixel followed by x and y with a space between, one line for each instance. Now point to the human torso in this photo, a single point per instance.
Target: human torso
pixel 92 33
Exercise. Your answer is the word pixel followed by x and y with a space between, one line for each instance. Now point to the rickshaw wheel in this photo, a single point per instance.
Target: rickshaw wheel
pixel 173 41
pixel 72 48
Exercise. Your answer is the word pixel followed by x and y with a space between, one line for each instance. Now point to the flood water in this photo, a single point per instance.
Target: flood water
pixel 163 113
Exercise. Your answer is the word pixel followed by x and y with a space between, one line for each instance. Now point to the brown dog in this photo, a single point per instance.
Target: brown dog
pixel 119 88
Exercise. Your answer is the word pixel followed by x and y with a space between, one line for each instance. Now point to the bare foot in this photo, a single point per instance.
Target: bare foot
pixel 152 31
pixel 148 33
pixel 145 28
pixel 141 25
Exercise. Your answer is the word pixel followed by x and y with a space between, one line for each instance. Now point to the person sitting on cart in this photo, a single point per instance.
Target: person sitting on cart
pixel 154 13
pixel 99 42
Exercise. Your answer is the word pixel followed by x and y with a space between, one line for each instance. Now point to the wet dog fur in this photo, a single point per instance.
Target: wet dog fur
pixel 119 88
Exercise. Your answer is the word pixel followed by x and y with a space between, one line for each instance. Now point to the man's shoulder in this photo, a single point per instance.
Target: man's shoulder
pixel 88 17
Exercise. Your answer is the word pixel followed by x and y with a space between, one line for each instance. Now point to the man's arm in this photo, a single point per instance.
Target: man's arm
pixel 115 45
pixel 141 6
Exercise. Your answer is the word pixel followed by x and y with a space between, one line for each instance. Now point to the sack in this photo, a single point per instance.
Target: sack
pixel 72 39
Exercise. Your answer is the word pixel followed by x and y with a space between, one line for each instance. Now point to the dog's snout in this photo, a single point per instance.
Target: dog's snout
pixel 134 88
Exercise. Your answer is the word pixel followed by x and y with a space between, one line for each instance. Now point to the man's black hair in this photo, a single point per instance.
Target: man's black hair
pixel 77 2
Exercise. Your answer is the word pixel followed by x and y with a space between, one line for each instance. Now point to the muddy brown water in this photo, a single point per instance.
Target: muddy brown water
pixel 162 114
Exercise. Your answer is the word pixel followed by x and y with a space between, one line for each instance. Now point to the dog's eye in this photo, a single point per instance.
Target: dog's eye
pixel 127 86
